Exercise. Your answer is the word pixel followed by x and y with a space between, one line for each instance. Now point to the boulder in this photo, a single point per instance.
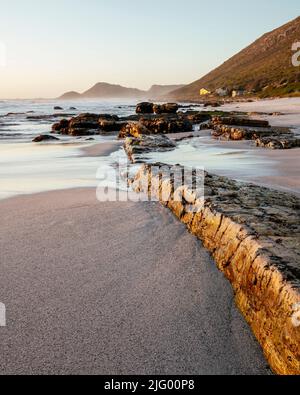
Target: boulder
pixel 58 108
pixel 44 137
pixel 87 124
pixel 166 126
pixel 168 108
pixel 145 108
pixel 133 129
pixel 61 127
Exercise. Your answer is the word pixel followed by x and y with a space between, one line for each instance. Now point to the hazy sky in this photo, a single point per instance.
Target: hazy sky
pixel 53 46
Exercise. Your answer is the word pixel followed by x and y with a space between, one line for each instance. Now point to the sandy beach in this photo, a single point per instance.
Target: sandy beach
pixel 113 288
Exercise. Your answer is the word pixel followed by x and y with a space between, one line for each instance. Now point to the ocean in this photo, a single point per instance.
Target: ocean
pixel 27 168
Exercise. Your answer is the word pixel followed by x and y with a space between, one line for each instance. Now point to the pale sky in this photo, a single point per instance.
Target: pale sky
pixel 49 47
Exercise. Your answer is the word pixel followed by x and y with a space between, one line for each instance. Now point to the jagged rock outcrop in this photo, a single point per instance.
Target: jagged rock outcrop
pixel 137 147
pixel 253 234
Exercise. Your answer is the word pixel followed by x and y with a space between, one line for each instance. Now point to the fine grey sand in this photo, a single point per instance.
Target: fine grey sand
pixel 113 288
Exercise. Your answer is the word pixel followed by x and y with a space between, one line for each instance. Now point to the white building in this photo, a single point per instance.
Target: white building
pixel 222 92
pixel 237 93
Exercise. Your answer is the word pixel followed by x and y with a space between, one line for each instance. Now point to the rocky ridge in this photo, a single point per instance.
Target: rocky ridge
pixel 253 234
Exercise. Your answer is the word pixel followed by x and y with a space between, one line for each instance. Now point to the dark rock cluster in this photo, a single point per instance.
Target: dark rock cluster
pixel 88 124
pixel 151 108
pixel 155 126
pixel 260 131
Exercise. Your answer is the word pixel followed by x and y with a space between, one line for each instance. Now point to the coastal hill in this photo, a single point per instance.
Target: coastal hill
pixel 104 90
pixel 264 68
pixel 70 96
pixel 159 91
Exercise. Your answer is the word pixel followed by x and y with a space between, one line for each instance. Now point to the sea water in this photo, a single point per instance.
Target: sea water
pixel 26 167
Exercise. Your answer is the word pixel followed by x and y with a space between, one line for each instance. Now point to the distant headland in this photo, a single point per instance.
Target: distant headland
pixel 103 90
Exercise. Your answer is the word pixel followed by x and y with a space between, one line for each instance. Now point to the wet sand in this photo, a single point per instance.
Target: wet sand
pixel 113 288
pixel 283 165
pixel 101 149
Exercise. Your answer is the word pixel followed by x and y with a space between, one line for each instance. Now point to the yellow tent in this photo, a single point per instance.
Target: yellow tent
pixel 204 92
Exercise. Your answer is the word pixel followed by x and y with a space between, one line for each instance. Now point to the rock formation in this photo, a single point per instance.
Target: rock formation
pixel 137 147
pixel 155 126
pixel 238 128
pixel 253 234
pixel 88 124
pixel 145 108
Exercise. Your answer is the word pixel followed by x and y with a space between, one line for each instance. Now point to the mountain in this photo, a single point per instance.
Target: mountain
pixel 108 91
pixel 103 90
pixel 264 67
pixel 70 96
pixel 159 91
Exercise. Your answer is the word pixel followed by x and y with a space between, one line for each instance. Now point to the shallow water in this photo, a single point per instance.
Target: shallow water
pixel 27 168
pixel 16 116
